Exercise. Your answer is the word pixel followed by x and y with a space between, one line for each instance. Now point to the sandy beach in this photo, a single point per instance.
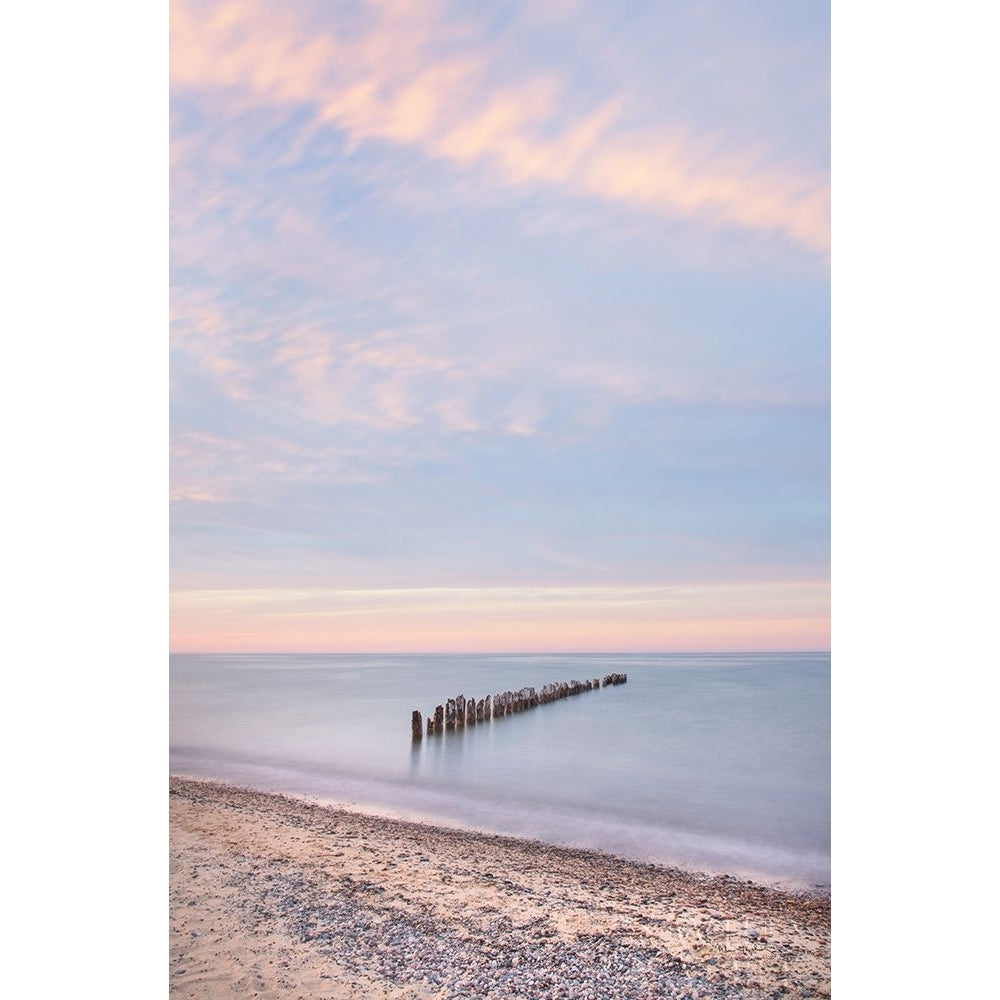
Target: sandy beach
pixel 274 897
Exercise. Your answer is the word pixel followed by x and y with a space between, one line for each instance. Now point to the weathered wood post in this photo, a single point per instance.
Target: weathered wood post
pixel 459 712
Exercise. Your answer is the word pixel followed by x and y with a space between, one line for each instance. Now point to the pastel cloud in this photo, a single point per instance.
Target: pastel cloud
pixel 305 373
pixel 411 76
pixel 449 310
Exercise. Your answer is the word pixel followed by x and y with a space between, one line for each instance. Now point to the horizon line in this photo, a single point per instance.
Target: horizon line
pixel 477 652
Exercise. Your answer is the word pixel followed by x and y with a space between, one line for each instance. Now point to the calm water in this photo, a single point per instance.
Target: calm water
pixel 719 762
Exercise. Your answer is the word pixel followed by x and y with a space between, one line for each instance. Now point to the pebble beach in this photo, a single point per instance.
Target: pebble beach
pixel 276 897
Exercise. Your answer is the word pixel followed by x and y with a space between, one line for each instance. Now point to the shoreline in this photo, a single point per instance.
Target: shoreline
pixel 279 896
pixel 744 872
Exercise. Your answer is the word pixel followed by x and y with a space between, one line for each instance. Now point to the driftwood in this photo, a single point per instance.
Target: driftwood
pixel 461 711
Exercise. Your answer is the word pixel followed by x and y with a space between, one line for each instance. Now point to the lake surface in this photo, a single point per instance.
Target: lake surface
pixel 718 762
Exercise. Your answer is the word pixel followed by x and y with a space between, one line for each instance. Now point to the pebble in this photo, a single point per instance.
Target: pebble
pixel 357 927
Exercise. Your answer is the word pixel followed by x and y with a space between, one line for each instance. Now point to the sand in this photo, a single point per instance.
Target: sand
pixel 275 897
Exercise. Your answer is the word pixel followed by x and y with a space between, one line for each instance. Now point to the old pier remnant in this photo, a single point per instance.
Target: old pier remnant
pixel 460 711
pixel 417 725
pixel 435 725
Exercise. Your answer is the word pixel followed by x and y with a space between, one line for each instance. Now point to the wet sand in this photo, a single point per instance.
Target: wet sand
pixel 274 897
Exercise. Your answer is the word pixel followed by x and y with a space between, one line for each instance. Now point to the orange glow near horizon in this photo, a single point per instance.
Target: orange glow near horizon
pixel 769 617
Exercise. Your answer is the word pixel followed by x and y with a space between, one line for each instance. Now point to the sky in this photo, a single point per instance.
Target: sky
pixel 499 326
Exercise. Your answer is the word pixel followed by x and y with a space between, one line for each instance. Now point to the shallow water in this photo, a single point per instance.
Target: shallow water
pixel 719 762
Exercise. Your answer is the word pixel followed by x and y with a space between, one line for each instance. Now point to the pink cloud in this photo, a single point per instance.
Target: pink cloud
pixel 408 76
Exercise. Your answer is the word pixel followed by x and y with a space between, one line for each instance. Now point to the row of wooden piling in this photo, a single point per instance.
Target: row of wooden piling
pixel 460 711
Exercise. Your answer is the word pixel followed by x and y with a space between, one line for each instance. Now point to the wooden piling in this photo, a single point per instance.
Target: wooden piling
pixel 459 712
